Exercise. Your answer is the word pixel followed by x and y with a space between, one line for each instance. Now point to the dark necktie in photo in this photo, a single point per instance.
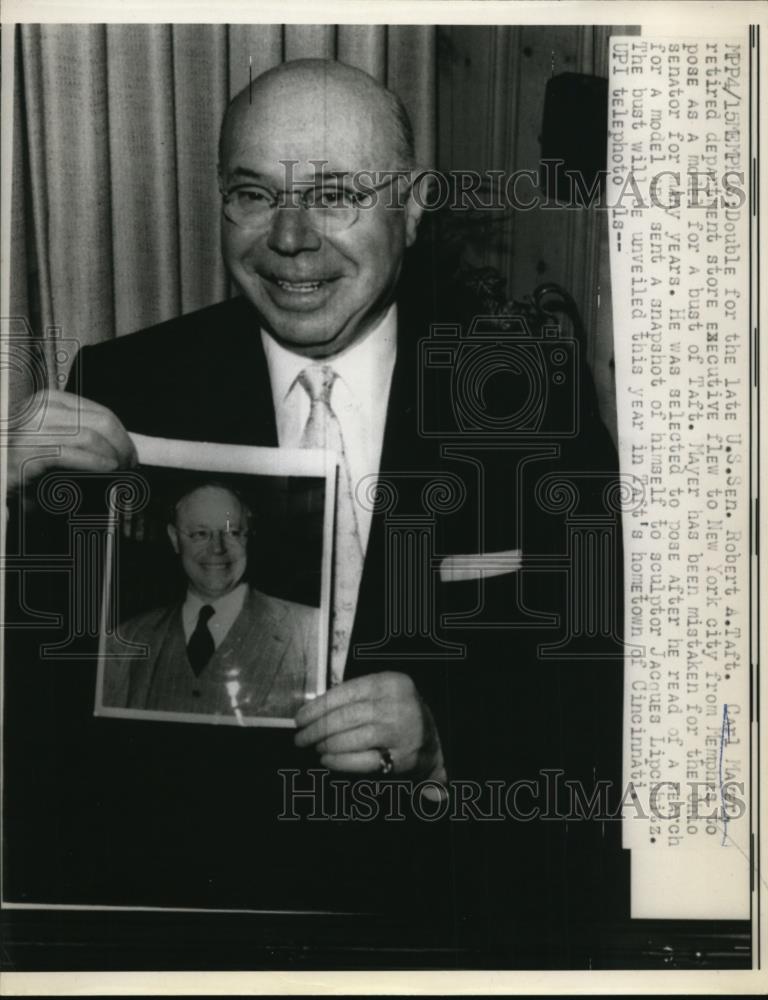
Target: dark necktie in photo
pixel 200 646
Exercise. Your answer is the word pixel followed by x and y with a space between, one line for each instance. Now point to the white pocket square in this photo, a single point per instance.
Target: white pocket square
pixel 477 566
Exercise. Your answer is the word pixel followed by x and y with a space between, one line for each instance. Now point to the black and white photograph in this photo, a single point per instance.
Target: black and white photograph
pixel 380 458
pixel 214 608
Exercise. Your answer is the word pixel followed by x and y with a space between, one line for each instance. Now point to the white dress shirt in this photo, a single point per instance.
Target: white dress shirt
pixel 225 611
pixel 359 399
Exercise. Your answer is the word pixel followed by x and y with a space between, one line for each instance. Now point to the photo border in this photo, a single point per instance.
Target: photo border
pixel 197 456
pixel 654 17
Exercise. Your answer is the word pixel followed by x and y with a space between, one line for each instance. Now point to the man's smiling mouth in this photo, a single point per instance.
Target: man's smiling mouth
pixel 301 287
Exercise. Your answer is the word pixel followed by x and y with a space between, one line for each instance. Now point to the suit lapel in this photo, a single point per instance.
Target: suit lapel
pixel 409 460
pixel 243 408
pixel 164 635
pixel 257 627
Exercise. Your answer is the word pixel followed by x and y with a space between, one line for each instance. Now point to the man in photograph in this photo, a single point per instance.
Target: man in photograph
pixel 227 649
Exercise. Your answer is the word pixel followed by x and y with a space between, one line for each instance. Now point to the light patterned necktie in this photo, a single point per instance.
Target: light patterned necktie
pixel 323 430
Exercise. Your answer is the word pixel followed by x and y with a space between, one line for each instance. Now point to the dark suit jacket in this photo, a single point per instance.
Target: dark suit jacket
pixel 504 708
pixel 271 651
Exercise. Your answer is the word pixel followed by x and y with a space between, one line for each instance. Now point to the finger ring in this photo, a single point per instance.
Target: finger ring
pixel 386 764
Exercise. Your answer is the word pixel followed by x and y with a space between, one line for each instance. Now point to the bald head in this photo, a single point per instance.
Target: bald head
pixel 317 90
pixel 323 273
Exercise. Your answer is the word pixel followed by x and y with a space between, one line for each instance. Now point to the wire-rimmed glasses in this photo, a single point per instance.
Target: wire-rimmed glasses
pixel 203 536
pixel 329 207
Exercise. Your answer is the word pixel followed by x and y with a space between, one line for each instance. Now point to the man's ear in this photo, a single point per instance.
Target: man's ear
pixel 173 537
pixel 414 207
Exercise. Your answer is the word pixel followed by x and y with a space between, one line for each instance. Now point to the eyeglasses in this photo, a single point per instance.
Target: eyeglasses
pixel 328 208
pixel 202 536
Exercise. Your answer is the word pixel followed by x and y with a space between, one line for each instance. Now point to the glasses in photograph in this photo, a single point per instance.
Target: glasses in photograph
pixel 203 536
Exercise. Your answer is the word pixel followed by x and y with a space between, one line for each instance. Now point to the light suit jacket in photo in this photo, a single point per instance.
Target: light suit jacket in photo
pixel 263 667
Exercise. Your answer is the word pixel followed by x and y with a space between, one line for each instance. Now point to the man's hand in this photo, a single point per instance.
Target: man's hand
pixel 350 723
pixel 74 433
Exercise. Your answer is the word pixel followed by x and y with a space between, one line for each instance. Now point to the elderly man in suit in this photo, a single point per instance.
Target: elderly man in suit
pixel 435 665
pixel 317 308
pixel 227 649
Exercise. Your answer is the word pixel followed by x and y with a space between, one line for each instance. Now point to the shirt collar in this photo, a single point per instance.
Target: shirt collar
pixel 233 601
pixel 359 365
